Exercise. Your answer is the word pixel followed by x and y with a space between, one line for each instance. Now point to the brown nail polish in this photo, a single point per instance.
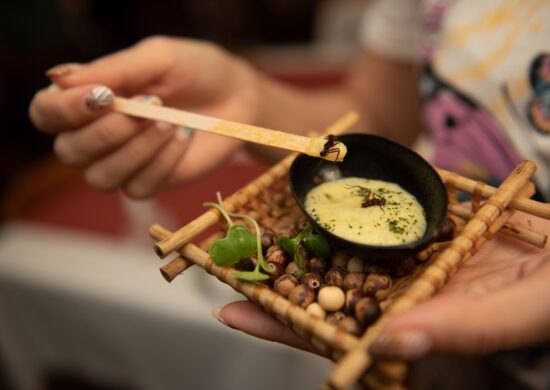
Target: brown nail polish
pixel 61 70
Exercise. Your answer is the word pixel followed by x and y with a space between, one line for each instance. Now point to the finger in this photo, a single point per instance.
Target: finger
pixel 53 110
pixel 510 318
pixel 100 137
pixel 249 318
pixel 112 171
pixel 154 176
pixel 126 71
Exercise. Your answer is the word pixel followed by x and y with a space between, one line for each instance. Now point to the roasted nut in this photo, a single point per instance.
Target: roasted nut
pixel 370 268
pixel 312 280
pixel 301 295
pixel 353 280
pixel 335 318
pixel 403 267
pixel 352 297
pixel 268 237
pixel 350 325
pixel 301 223
pixel 319 265
pixel 301 251
pixel 355 264
pixel 291 268
pixel 367 310
pixel 316 310
pixel 340 260
pixel 377 285
pixel 284 284
pixel 447 231
pixel 331 298
pixel 334 277
pixel 276 254
pixel 278 270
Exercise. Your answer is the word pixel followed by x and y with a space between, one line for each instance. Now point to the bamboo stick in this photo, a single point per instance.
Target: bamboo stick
pixel 260 135
pixel 354 363
pixel 462 183
pixel 211 217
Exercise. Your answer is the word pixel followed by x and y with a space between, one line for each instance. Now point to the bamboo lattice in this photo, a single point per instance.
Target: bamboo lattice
pixel 489 214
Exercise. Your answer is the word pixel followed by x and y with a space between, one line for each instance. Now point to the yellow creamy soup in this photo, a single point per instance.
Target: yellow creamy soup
pixel 372 212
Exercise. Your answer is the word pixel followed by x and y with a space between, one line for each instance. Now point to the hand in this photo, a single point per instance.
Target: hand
pixel 135 155
pixel 496 301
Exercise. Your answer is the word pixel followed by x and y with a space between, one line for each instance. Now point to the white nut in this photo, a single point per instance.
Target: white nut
pixel 355 264
pixel 331 298
pixel 316 310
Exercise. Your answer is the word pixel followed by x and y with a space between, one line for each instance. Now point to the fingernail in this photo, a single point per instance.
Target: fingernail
pixel 216 314
pixel 62 70
pixel 163 126
pixel 53 87
pixel 183 134
pixel 188 130
pixel 405 345
pixel 100 96
pixel 150 99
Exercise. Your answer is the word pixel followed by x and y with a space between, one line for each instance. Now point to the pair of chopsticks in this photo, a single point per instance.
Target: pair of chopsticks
pixel 313 146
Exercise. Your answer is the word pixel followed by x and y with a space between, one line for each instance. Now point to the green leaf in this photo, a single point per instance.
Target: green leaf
pixel 251 276
pixel 289 245
pixel 238 244
pixel 316 244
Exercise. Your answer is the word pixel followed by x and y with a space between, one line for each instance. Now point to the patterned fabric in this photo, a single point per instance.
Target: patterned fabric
pixel 486 84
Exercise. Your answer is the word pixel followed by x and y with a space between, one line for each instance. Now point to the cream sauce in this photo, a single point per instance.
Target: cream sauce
pixel 337 206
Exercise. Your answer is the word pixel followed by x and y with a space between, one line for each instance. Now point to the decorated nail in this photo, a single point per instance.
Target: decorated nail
pixel 101 96
pixel 61 70
pixel 150 99
pixel 405 345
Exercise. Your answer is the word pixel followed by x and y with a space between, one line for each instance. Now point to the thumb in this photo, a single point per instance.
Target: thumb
pixel 127 72
pixel 509 318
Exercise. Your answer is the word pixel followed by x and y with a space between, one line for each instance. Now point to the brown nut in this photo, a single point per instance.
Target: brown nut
pixel 447 231
pixel 319 265
pixel 351 325
pixel 355 264
pixel 353 280
pixel 331 298
pixel 278 270
pixel 403 267
pixel 352 297
pixel 291 268
pixel 268 237
pixel 284 284
pixel 367 311
pixel 276 254
pixel 312 280
pixel 335 318
pixel 301 295
pixel 377 285
pixel 334 277
pixel 340 260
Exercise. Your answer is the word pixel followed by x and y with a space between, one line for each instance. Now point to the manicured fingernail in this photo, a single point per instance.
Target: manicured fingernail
pixel 163 126
pixel 405 345
pixel 100 96
pixel 62 70
pixel 150 99
pixel 183 134
pixel 216 314
pixel 188 130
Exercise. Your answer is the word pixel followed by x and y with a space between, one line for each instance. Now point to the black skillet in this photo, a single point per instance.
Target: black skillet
pixel 375 157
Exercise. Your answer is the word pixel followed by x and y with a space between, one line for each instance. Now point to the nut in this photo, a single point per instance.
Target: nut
pixel 447 231
pixel 278 270
pixel 284 284
pixel 352 297
pixel 291 268
pixel 334 277
pixel 355 264
pixel 403 267
pixel 367 311
pixel 312 280
pixel 276 254
pixel 268 237
pixel 335 318
pixel 377 285
pixel 353 280
pixel 316 310
pixel 350 325
pixel 340 260
pixel 331 298
pixel 319 265
pixel 301 295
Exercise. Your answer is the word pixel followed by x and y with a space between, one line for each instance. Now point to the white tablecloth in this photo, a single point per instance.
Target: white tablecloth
pixel 97 306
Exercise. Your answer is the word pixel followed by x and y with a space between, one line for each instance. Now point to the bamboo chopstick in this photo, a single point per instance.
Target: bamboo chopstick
pixel 313 146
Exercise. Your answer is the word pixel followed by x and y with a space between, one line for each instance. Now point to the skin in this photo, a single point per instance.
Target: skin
pixel 500 289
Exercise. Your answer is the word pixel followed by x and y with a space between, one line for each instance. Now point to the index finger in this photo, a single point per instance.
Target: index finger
pixel 53 110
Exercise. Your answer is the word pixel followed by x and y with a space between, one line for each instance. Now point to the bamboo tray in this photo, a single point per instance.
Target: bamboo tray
pixel 489 212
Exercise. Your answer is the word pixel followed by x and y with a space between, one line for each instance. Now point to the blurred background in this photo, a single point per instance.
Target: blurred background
pixel 82 304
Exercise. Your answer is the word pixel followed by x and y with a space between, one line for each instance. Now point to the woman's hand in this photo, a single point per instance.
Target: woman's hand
pixel 138 156
pixel 497 301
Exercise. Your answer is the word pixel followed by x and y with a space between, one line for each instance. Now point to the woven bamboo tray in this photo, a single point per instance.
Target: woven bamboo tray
pixel 489 212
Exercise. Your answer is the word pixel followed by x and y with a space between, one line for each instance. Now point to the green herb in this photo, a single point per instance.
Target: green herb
pixel 239 243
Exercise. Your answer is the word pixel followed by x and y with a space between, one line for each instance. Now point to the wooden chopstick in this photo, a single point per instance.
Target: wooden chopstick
pixel 311 146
